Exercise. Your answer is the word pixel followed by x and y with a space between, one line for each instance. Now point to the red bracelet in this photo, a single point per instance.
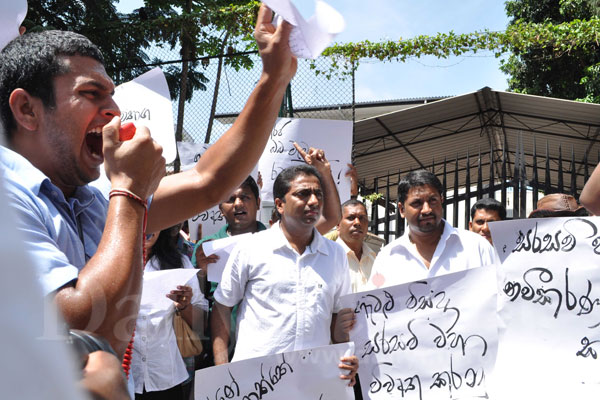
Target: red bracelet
pixel 126 364
pixel 127 193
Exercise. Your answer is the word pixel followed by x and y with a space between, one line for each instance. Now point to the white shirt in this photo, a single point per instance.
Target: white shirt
pixel 458 249
pixel 360 270
pixel 287 299
pixel 156 362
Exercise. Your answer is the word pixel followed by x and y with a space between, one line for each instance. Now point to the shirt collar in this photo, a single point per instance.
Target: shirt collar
pixel 29 176
pixel 35 180
pixel 317 244
pixel 366 250
pixel 449 230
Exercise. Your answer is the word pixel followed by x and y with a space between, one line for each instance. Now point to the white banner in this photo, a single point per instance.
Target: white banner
pixel 334 137
pixel 549 307
pixel 429 339
pixel 297 375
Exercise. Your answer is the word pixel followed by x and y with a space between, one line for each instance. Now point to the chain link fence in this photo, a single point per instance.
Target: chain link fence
pixel 310 95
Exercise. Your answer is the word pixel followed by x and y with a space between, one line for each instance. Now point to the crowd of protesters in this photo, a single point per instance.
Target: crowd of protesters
pixel 281 288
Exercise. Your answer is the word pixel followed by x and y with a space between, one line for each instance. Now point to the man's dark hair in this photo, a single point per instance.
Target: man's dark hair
pixel 489 204
pixel 250 183
pixel 165 248
pixel 417 178
pixel 353 202
pixel 32 61
pixel 283 181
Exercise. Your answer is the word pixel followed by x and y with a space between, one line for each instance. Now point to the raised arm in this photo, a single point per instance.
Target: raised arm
pixel 590 195
pixel 352 174
pixel 105 296
pixel 332 210
pixel 229 161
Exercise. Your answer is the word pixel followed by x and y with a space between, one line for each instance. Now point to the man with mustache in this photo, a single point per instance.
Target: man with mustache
pixel 287 280
pixel 352 231
pixel 483 212
pixel 431 246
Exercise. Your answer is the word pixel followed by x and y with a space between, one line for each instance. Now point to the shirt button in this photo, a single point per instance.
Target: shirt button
pixel 144 359
pixel 143 338
pixel 144 317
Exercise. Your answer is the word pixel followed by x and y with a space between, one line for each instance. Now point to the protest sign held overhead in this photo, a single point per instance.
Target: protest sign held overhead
pixel 297 375
pixel 309 37
pixel 146 101
pixel 429 339
pixel 549 308
pixel 334 137
pixel 12 16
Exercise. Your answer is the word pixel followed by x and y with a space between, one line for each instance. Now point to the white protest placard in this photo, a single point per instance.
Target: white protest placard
pixel 12 14
pixel 157 284
pixel 334 137
pixel 146 101
pixel 222 248
pixel 549 308
pixel 190 153
pixel 297 375
pixel 429 339
pixel 212 220
pixel 309 37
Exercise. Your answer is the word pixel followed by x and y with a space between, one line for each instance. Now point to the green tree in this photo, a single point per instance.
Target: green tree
pixel 541 70
pixel 102 24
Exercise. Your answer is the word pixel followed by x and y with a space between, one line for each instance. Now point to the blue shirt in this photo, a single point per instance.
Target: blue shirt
pixel 60 234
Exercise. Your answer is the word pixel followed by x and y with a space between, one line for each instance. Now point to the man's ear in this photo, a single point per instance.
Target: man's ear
pixel 279 206
pixel 401 209
pixel 258 202
pixel 26 109
pixel 470 225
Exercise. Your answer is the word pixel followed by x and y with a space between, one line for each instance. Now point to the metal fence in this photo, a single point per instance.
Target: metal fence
pixel 518 190
pixel 313 95
pixel 310 95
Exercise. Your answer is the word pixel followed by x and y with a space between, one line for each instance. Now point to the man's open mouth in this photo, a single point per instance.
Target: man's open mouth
pixel 93 140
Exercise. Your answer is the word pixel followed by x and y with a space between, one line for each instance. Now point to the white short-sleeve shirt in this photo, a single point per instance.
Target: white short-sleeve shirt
pixel 286 299
pixel 458 249
pixel 156 361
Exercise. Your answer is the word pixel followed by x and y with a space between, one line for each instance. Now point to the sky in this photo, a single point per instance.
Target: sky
pixel 377 20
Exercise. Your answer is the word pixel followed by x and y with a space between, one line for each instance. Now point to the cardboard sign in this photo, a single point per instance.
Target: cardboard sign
pixel 146 101
pixel 334 137
pixel 297 375
pixel 549 308
pixel 429 339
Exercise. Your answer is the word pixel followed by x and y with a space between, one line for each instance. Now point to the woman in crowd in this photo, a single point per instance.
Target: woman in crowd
pixel 159 371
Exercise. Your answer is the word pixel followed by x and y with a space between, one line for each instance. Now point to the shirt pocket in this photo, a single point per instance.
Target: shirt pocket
pixel 319 296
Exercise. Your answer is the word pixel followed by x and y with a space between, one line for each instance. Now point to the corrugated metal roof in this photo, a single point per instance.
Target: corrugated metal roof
pixel 425 135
